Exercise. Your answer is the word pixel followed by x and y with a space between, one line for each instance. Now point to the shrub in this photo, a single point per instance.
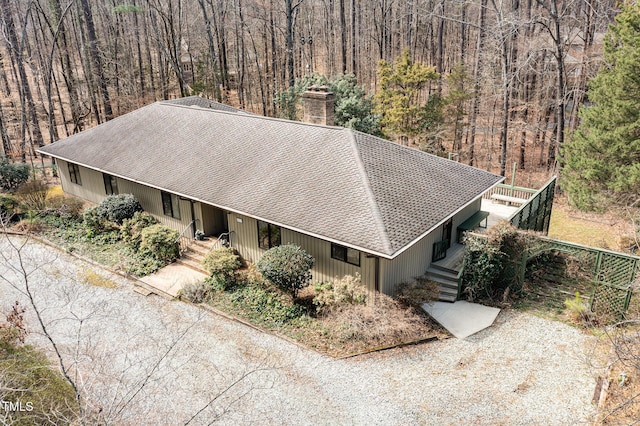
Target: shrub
pixel 117 208
pixel 195 292
pixel 288 267
pixel 347 290
pixel 493 264
pixel 418 291
pixel 131 229
pixel 221 261
pixel 33 195
pixel 8 205
pixel 140 264
pixel 159 242
pixel 12 175
pixel 578 309
pixel 94 222
pixel 64 205
pixel 264 306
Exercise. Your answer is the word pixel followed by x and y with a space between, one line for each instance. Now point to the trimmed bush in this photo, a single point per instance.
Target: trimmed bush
pixel 264 306
pixel 131 229
pixel 117 208
pixel 159 242
pixel 196 292
pixel 94 222
pixel 221 261
pixel 345 291
pixel 12 175
pixel 288 267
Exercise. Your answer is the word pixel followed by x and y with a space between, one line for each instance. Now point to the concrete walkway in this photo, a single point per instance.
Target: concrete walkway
pixel 172 278
pixel 462 319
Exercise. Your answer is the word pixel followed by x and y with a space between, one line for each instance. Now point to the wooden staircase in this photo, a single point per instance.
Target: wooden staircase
pixel 195 252
pixel 445 272
pixel 448 280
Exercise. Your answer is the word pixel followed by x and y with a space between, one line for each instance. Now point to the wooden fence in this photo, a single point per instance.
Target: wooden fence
pixel 613 274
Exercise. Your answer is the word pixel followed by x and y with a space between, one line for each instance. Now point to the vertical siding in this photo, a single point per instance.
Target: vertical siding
pixel 151 202
pixel 92 187
pixel 245 239
pixel 415 261
pixel 411 263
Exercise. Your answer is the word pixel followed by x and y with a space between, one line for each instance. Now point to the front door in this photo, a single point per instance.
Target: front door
pixel 446 232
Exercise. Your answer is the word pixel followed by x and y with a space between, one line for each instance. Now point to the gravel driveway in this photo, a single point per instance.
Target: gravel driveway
pixel 147 360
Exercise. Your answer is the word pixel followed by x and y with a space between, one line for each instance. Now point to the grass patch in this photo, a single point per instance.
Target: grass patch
pixel 595 230
pixel 90 277
pixel 30 381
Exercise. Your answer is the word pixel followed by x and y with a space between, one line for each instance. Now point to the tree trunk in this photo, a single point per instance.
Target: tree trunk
pixel 476 79
pixel 95 57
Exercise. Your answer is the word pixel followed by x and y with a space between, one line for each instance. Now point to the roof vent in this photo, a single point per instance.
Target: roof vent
pixel 318 105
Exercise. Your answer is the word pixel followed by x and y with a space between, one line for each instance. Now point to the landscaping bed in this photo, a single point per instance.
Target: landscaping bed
pixel 115 233
pixel 338 318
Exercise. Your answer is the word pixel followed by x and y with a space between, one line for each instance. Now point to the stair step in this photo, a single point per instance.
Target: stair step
pixel 444 269
pixel 447 298
pixel 453 291
pixel 434 274
pixel 196 257
pixel 189 263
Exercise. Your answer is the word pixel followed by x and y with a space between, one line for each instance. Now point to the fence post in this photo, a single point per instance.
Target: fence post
pixel 598 264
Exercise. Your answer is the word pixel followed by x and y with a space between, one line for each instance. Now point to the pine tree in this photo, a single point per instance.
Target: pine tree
pixel 602 159
pixel 405 109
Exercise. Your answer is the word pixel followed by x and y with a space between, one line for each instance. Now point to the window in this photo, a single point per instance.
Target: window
pixel 345 254
pixel 74 173
pixel 268 235
pixel 110 184
pixel 171 205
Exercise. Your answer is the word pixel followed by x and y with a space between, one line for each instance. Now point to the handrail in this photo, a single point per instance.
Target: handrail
pixel 182 240
pixel 185 230
pixel 218 241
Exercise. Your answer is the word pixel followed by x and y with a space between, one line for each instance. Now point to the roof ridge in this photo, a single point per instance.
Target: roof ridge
pixel 244 113
pixel 371 198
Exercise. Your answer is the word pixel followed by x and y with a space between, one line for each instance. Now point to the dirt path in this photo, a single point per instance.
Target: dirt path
pixel 523 370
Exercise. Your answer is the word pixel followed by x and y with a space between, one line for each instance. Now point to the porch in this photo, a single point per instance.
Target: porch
pixel 447 271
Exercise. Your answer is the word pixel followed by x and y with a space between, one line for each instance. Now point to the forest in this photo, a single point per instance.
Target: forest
pixel 503 79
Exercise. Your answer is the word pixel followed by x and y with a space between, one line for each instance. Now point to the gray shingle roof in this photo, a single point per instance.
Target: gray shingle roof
pixel 330 182
pixel 202 103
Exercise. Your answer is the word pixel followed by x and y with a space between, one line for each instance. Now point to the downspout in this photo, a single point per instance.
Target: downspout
pixel 377 274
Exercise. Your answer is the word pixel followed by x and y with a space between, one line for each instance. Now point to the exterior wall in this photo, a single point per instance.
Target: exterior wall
pixel 415 261
pixel 411 263
pixel 244 237
pixel 92 189
pixel 151 202
pixel 465 214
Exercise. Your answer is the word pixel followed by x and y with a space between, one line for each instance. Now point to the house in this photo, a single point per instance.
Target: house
pixel 355 202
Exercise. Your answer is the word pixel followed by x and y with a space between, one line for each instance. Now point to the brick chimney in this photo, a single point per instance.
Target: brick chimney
pixel 318 105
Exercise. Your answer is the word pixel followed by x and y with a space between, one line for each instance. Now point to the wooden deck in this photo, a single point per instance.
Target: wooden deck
pixel 453 261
